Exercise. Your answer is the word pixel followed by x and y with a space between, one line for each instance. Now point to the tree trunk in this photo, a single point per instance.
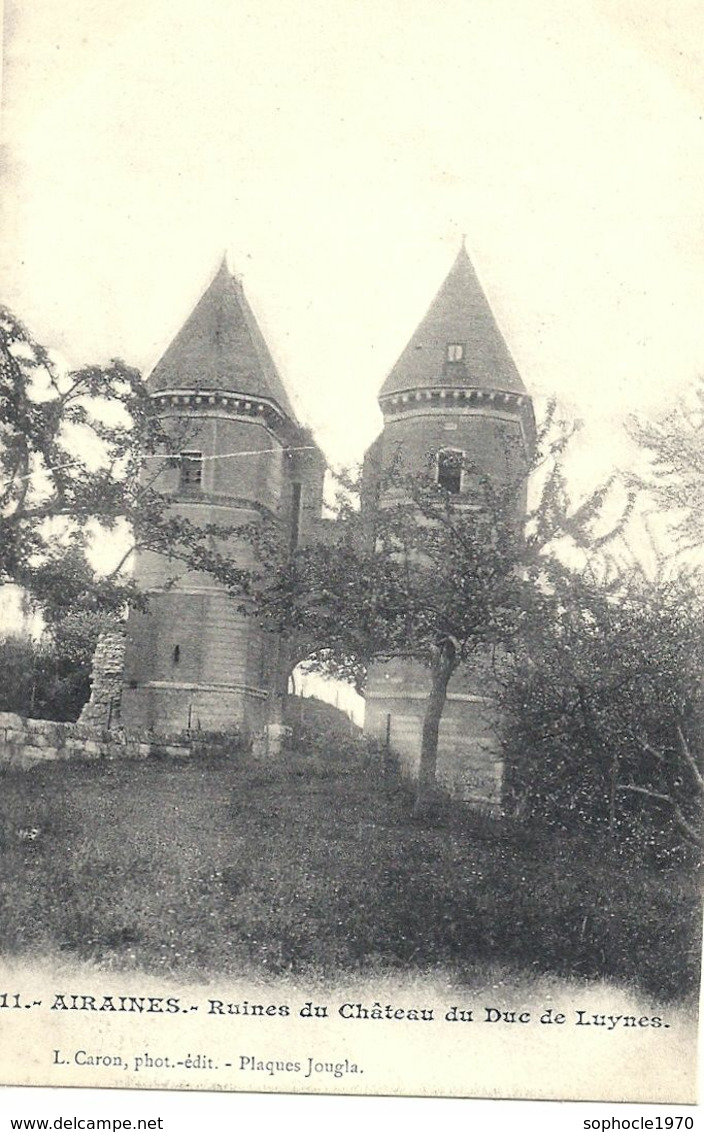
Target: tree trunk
pixel 279 676
pixel 441 669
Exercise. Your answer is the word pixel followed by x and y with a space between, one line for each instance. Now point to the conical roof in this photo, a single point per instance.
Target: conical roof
pixel 221 348
pixel 459 316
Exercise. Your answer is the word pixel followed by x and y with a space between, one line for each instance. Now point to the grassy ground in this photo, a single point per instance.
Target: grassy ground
pixel 314 866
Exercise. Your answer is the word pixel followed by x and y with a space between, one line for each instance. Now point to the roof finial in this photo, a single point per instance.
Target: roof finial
pixel 236 276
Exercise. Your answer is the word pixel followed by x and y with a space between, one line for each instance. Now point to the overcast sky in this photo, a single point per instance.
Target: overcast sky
pixel 338 149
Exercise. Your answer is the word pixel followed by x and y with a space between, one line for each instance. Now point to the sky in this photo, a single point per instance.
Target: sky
pixel 338 150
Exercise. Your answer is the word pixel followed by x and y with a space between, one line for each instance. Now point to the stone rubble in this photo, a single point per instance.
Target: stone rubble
pixel 103 707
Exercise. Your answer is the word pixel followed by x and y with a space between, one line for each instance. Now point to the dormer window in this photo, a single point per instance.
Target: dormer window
pixel 191 469
pixel 450 462
pixel 455 351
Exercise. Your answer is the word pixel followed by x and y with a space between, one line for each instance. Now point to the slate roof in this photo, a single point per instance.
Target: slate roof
pixel 220 347
pixel 459 314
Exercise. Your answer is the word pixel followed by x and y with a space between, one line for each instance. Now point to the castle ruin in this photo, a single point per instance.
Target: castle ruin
pixel 193 659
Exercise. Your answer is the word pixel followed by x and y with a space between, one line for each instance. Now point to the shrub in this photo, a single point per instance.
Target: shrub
pixel 603 714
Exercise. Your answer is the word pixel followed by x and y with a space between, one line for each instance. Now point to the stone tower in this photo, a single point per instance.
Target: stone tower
pixel 193 659
pixel 454 390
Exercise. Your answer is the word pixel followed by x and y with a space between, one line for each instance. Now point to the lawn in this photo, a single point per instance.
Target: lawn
pixel 312 865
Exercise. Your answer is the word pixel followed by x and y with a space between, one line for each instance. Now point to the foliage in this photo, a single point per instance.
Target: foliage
pixel 81 453
pixel 604 707
pixel 432 576
pixel 50 678
pixel 604 700
pixel 404 591
pixel 426 576
pixel 674 478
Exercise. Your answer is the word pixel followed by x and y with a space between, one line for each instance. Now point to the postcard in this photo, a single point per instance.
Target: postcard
pixel 352 496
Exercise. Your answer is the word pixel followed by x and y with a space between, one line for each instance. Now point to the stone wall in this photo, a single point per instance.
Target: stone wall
pixel 103 707
pixel 26 742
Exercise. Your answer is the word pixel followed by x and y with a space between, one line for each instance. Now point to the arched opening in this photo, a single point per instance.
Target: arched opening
pixel 304 684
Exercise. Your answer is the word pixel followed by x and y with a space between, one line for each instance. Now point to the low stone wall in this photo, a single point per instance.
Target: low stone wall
pixel 26 742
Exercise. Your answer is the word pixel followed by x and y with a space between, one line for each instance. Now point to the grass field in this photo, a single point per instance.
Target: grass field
pixel 313 865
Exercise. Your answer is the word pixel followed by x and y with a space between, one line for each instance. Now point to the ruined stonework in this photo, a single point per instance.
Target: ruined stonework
pixel 103 707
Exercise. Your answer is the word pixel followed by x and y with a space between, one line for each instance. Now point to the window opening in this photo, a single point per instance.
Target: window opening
pixel 450 470
pixel 296 498
pixel 191 469
pixel 455 351
pixel 177 654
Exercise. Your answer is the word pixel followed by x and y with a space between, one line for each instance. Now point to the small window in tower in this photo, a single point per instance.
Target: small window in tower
pixel 450 470
pixel 455 351
pixel 191 469
pixel 296 499
pixel 177 654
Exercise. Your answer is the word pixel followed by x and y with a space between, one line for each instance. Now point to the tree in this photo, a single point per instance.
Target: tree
pixel 424 574
pixel 80 453
pixel 674 477
pixel 604 706
pixel 424 578
pixel 49 678
pixel 604 697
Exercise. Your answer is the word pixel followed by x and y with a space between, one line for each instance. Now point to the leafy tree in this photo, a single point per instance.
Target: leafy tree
pixel 604 703
pixel 49 678
pixel 443 579
pixel 674 476
pixel 604 697
pixel 80 453
pixel 424 578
